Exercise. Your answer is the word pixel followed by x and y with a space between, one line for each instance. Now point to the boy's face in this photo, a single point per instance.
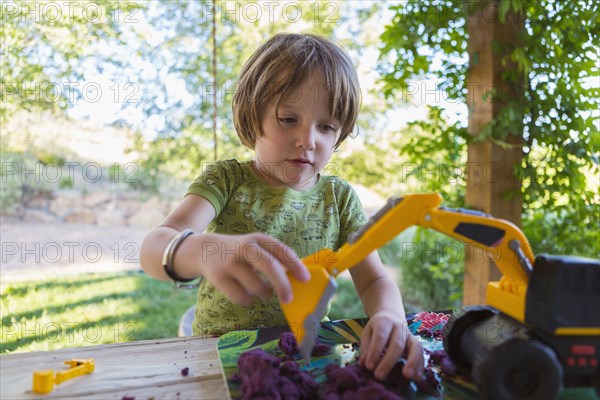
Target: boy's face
pixel 298 144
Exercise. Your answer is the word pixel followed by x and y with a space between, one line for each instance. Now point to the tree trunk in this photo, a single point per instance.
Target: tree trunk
pixel 492 186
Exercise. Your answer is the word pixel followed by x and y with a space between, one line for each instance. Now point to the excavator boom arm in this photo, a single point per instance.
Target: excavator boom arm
pixel 504 241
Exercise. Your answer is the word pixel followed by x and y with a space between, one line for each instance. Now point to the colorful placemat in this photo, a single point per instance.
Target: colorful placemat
pixel 340 335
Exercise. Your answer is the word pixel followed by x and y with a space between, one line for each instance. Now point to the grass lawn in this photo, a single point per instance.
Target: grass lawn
pixel 91 309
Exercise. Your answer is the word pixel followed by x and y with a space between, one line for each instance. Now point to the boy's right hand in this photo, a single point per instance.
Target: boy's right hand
pixel 244 266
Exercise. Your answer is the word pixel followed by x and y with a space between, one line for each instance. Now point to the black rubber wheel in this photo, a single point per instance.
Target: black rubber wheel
pixel 520 370
pixel 456 326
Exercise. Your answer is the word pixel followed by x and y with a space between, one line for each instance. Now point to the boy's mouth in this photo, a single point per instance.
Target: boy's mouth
pixel 302 162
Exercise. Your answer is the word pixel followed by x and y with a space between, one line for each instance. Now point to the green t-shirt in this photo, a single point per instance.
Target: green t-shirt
pixel 307 221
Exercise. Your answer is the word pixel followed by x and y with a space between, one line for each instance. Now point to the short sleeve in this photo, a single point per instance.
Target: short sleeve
pixel 352 214
pixel 217 182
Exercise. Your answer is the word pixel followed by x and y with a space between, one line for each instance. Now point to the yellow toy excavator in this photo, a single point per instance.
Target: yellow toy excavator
pixel 539 331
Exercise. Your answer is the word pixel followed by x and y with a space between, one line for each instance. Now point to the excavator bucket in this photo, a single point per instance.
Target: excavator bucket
pixel 306 310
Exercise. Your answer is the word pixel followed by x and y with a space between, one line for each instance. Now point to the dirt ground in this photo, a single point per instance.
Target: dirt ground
pixel 34 250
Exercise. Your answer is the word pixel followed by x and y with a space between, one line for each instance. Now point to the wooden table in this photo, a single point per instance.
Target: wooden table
pixel 148 369
pixel 143 369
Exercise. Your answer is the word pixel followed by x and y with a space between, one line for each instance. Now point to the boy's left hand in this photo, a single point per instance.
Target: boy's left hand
pixel 386 331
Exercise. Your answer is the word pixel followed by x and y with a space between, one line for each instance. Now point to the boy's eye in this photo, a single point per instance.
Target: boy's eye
pixel 329 128
pixel 287 120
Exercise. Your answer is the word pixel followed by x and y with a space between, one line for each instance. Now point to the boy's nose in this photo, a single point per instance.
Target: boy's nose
pixel 306 139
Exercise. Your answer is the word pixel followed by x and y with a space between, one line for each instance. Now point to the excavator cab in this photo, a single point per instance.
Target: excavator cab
pixel 563 294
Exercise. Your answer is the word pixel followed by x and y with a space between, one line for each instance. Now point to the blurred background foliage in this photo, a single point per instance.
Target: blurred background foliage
pixel 559 61
pixel 165 48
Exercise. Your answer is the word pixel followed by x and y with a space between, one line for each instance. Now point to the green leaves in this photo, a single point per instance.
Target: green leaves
pixel 556 116
pixel 42 41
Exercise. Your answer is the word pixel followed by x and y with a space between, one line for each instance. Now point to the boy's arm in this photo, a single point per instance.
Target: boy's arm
pixel 239 274
pixel 194 212
pixel 376 289
pixel 387 328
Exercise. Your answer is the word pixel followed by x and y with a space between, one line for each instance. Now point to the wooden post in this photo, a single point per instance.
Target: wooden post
pixel 491 183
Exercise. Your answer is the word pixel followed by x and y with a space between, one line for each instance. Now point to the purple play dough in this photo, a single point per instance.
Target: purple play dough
pixel 448 367
pixel 263 377
pixel 440 357
pixel 396 379
pixel 437 356
pixel 353 383
pixel 288 344
pixel 320 349
pixel 431 384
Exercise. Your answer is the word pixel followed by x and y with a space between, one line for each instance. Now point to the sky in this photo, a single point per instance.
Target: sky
pixel 105 100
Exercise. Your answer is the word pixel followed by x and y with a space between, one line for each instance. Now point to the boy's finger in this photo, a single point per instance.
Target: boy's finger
pixel 392 354
pixel 252 282
pixel 287 258
pixel 275 273
pixel 235 292
pixel 379 339
pixel 414 362
pixel 365 342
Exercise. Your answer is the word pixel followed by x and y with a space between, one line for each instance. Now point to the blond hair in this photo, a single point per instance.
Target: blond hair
pixel 282 64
